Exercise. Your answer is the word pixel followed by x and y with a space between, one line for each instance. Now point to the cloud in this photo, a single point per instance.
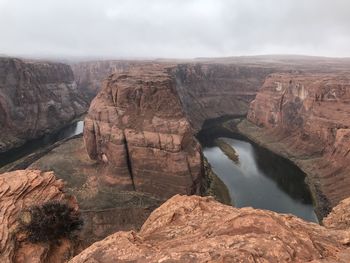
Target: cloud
pixel 174 28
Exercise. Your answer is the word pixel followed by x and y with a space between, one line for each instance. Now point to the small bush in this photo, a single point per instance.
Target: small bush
pixel 49 222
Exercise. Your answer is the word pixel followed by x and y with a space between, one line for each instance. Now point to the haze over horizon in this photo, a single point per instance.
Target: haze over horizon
pixel 174 28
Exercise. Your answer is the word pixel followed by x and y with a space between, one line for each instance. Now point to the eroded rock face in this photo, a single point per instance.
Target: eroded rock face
pixel 35 98
pixel 306 118
pixel 136 124
pixel 21 189
pixel 197 229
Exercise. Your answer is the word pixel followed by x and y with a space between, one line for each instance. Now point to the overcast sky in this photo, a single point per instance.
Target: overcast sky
pixel 174 28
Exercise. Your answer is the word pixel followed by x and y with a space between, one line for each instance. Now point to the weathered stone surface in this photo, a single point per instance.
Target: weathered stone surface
pixel 306 118
pixel 339 217
pixel 35 98
pixel 21 189
pixel 136 124
pixel 197 229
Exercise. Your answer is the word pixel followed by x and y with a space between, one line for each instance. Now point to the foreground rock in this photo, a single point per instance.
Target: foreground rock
pixel 136 125
pixel 305 117
pixel 35 98
pixel 196 229
pixel 21 189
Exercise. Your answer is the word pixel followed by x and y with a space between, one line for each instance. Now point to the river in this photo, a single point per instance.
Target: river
pixel 260 179
pixel 46 140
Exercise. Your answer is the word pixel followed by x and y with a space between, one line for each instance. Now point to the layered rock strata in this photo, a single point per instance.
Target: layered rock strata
pixel 35 98
pixel 305 117
pixel 197 229
pixel 136 124
pixel 21 189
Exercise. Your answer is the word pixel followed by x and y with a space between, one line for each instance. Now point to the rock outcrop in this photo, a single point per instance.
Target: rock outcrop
pixel 36 97
pixel 136 124
pixel 21 189
pixel 305 117
pixel 197 229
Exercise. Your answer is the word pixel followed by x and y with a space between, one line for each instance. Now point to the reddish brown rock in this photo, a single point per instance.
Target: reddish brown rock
pixel 21 189
pixel 36 97
pixel 339 218
pixel 136 124
pixel 197 229
pixel 305 117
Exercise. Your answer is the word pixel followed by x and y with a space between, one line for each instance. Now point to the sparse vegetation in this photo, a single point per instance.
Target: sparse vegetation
pixel 49 222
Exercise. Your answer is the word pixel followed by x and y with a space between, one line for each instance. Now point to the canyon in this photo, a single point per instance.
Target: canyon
pixel 36 98
pixel 139 149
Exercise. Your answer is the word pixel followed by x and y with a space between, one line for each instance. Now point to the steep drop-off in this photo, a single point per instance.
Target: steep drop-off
pixel 305 117
pixel 35 98
pixel 197 229
pixel 136 124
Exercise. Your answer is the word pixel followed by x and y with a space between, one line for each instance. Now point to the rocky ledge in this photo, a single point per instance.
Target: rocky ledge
pixel 197 229
pixel 136 125
pixel 36 97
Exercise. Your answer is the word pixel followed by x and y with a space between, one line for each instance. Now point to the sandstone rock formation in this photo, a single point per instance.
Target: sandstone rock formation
pixel 306 118
pixel 35 98
pixel 197 229
pixel 136 124
pixel 21 189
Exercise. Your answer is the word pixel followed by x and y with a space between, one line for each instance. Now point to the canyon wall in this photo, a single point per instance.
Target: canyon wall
pixel 35 98
pixel 198 229
pixel 209 91
pixel 305 117
pixel 136 124
pixel 90 75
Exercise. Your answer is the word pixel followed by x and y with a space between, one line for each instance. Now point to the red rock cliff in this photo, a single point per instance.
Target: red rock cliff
pixel 35 98
pixel 136 124
pixel 306 118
